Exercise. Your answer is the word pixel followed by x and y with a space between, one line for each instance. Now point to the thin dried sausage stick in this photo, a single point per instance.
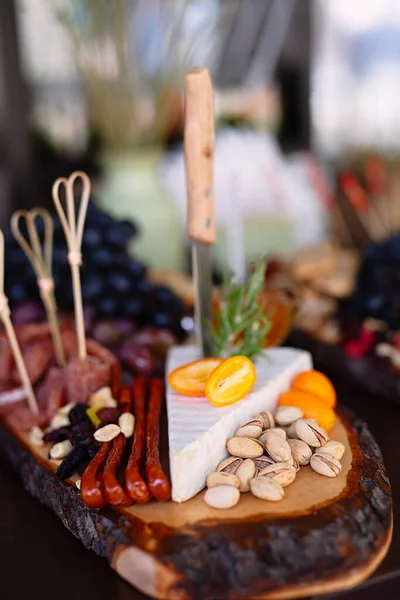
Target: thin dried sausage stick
pixel 113 490
pixel 135 484
pixel 91 494
pixel 157 481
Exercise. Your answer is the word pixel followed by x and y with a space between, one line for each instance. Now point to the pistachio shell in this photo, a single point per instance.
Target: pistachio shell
pixel 267 419
pixel 310 433
pixel 286 415
pixel 222 496
pixel 245 473
pixel 325 464
pixel 252 429
pixel 276 446
pixel 282 472
pixel 291 431
pixel 280 431
pixel 230 464
pixel 300 451
pixel 244 447
pixel 263 461
pixel 221 478
pixel 334 448
pixel 266 489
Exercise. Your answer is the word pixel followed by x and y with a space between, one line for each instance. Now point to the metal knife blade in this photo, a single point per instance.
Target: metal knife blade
pixel 202 277
pixel 199 150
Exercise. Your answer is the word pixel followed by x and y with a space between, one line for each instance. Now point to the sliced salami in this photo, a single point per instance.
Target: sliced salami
pixel 84 376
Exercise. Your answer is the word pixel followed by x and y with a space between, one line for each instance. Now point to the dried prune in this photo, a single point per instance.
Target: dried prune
pixel 58 435
pixel 108 415
pixel 78 415
pixel 82 434
pixel 71 463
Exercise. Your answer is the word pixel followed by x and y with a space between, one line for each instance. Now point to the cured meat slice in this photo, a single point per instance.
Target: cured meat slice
pixel 37 358
pixel 97 350
pixel 6 363
pixel 23 419
pixel 83 376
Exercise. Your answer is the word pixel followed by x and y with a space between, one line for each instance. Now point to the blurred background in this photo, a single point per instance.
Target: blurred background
pixel 306 156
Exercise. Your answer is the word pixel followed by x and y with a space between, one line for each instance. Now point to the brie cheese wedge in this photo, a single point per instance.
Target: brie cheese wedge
pixel 198 430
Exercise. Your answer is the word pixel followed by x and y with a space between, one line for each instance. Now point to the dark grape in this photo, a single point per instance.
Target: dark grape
pixel 108 307
pixel 137 269
pixel 133 307
pixel 163 295
pixel 17 293
pixel 129 229
pixel 118 282
pixel 144 287
pixel 162 319
pixel 101 257
pixel 115 236
pixel 91 237
pixel 92 286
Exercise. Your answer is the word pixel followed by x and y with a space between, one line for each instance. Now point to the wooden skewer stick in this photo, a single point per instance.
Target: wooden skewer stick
pixel 41 263
pixel 12 338
pixel 73 230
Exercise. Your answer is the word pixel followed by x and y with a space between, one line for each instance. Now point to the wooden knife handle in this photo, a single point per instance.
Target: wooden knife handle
pixel 199 154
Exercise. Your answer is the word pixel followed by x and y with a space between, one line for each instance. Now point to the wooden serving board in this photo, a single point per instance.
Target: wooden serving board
pixel 326 535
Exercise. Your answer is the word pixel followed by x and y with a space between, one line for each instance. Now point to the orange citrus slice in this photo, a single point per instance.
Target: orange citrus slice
pixel 231 381
pixel 190 379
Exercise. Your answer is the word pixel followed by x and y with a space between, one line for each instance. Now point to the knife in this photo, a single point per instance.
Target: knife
pixel 199 151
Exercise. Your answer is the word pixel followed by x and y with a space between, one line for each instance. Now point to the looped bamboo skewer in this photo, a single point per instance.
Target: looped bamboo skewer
pixel 5 316
pixel 40 260
pixel 73 230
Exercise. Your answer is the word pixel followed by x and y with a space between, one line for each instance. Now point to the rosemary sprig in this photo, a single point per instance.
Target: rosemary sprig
pixel 241 323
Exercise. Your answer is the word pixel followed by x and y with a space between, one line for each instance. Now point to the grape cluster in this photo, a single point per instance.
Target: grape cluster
pixel 114 283
pixel 377 289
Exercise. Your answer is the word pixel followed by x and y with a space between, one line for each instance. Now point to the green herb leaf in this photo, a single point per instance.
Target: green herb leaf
pixel 241 324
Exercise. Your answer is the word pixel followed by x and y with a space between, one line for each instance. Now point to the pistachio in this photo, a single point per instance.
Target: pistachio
pixel 296 464
pixel 276 446
pixel 300 451
pixel 221 478
pixel 246 472
pixel 278 430
pixel 266 489
pixel 286 415
pixel 263 461
pixel 267 419
pixel 311 433
pixel 230 464
pixel 222 496
pixel 325 464
pixel 60 450
pixel 291 431
pixel 334 448
pixel 251 429
pixel 282 472
pixel 107 433
pixel 244 447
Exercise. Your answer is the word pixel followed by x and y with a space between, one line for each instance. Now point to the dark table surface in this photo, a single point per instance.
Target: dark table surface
pixel 38 553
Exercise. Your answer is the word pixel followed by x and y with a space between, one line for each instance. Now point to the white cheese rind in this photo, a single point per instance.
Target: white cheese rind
pixel 198 430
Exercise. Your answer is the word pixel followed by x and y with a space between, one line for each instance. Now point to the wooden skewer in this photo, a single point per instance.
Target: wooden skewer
pixel 41 263
pixel 73 230
pixel 12 338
